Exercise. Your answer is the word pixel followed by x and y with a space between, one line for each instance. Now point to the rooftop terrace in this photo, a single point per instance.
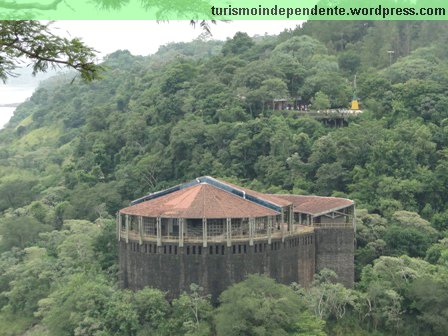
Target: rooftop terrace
pixel 209 210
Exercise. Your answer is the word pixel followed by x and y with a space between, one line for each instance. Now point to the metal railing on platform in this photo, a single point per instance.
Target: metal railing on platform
pixel 276 233
pixel 333 225
pixel 321 114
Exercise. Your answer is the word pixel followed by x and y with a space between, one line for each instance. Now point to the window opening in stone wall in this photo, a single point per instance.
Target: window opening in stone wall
pixel 222 249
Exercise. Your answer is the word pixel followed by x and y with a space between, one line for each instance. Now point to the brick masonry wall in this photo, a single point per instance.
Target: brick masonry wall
pixel 335 248
pixel 216 266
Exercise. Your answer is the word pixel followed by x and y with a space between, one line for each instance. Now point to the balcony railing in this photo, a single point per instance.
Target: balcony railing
pixel 276 233
pixel 333 225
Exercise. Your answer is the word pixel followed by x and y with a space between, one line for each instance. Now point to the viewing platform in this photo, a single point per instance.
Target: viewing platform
pixel 323 114
pixel 194 213
pixel 330 117
pixel 239 235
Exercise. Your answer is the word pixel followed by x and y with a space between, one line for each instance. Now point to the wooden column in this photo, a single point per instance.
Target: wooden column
pixel 181 232
pixel 282 227
pixel 269 229
pixel 119 226
pixel 140 229
pixel 251 231
pixel 127 228
pixel 159 231
pixel 291 218
pixel 312 220
pixel 300 219
pixel 229 231
pixel 204 232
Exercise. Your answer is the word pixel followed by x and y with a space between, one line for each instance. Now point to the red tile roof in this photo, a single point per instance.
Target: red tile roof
pixel 316 205
pixel 200 201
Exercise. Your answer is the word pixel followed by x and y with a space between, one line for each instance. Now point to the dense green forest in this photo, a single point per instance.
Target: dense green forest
pixel 76 152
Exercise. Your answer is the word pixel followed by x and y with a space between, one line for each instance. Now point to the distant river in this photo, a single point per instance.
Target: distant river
pixel 10 95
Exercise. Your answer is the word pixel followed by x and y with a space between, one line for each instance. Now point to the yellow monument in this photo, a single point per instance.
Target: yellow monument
pixel 355 102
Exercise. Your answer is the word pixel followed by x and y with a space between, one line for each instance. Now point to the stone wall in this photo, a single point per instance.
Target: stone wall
pixel 335 248
pixel 216 266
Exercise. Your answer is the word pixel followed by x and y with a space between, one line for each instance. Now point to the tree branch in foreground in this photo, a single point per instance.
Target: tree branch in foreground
pixel 34 41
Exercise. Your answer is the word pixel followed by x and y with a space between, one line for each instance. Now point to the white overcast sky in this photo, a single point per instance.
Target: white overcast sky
pixel 139 37
pixel 145 37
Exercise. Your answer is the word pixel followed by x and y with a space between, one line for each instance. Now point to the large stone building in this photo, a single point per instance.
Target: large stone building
pixel 214 233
